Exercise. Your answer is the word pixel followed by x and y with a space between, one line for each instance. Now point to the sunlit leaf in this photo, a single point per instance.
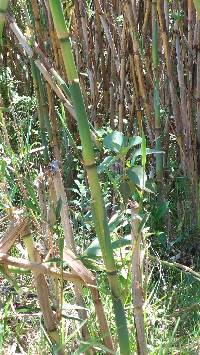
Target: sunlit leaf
pixel 138 176
pixel 114 141
pixel 105 164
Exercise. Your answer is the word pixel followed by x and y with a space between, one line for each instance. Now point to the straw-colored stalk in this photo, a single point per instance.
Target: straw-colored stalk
pixel 43 293
pixel 159 157
pixel 47 117
pixel 137 290
pixel 139 68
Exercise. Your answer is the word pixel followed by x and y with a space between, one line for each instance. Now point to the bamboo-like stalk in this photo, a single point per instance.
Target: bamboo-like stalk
pixel 136 98
pixel 43 293
pixel 122 79
pixel 108 35
pixel 198 89
pixel 45 73
pixel 46 240
pixel 40 268
pixel 174 265
pixel 158 139
pixel 189 141
pixel 197 7
pixel 183 92
pixel 50 115
pixel 198 112
pixel 99 52
pixel 41 108
pixel 24 43
pixel 112 92
pixel 99 214
pixel 56 76
pixel 22 266
pixel 146 17
pixel 190 48
pixel 88 56
pixel 172 85
pixel 139 69
pixel 16 227
pixel 3 10
pixel 137 290
pixel 64 212
pixel 79 269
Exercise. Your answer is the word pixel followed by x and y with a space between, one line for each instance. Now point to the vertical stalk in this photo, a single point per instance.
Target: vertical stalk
pixel 48 116
pixel 137 290
pixel 122 78
pixel 3 10
pixel 139 68
pixel 171 75
pixel 99 52
pixel 83 31
pixel 3 61
pixel 43 293
pixel 99 214
pixel 197 7
pixel 159 157
pixel 112 92
pixel 198 113
pixel 198 86
pixel 41 108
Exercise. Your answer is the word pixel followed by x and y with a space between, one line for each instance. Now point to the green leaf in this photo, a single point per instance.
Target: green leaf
pixel 61 244
pixel 26 309
pixel 123 151
pixel 31 205
pixel 122 242
pixel 105 164
pixel 128 143
pixel 2 169
pixel 33 201
pixel 135 140
pixel 114 141
pixel 162 209
pixel 143 221
pixel 151 186
pixel 90 263
pixel 94 250
pixel 138 152
pixel 137 175
pixel 115 221
pixel 118 143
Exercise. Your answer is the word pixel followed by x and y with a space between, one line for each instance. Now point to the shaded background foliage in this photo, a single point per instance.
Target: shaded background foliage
pixel 138 64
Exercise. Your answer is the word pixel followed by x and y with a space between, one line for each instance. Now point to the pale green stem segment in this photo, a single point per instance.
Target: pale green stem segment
pixel 197 7
pixel 98 208
pixel 3 10
pixel 42 114
pixel 155 61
